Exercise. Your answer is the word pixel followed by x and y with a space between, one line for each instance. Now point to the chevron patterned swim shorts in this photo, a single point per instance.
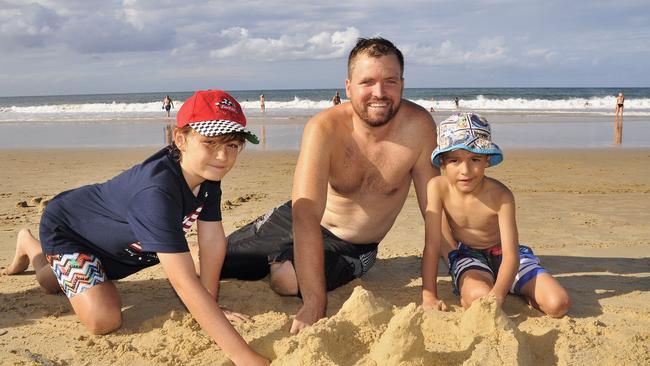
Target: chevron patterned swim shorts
pixel 77 272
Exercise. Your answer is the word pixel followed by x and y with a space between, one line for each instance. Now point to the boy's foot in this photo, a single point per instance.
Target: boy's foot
pixel 20 263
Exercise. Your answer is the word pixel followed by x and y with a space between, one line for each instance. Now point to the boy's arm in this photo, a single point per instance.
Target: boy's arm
pixel 431 253
pixel 509 247
pixel 212 251
pixel 181 272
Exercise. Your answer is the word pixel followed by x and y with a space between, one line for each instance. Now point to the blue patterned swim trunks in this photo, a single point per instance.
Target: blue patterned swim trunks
pixel 489 260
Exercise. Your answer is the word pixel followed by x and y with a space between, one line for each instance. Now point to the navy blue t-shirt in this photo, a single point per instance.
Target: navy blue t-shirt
pixel 126 220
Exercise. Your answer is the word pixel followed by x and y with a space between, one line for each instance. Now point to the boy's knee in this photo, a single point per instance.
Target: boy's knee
pixel 557 306
pixel 104 324
pixel 470 294
pixel 283 279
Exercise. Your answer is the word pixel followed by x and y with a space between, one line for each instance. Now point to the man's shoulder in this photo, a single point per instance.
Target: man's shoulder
pixel 332 118
pixel 415 116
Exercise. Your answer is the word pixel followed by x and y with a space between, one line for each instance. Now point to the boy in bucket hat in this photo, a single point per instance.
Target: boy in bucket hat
pixel 481 216
pixel 96 234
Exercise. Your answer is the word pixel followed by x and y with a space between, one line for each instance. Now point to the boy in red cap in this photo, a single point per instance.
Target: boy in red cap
pixel 93 235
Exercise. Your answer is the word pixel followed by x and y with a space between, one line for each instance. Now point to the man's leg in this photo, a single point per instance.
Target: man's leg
pixel 252 247
pixel 284 280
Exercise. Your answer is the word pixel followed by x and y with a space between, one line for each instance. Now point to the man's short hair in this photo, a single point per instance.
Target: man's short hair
pixel 375 47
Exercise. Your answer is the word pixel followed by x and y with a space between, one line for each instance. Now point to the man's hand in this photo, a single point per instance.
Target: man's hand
pixel 435 304
pixel 307 315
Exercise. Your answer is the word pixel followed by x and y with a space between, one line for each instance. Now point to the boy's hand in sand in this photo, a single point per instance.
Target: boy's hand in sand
pixel 499 298
pixel 435 304
pixel 235 316
pixel 305 317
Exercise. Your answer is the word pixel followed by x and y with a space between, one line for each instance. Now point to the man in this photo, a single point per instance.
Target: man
pixel 336 99
pixel 167 104
pixel 354 171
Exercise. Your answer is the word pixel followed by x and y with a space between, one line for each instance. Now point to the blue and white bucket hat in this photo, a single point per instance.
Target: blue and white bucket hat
pixel 467 131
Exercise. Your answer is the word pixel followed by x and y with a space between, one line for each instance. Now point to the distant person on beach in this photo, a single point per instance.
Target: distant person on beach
pixel 336 99
pixel 488 261
pixel 94 235
pixel 618 119
pixel 456 102
pixel 262 103
pixel 167 104
pixel 353 175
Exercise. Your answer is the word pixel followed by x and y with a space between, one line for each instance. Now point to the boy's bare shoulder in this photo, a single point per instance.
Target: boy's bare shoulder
pixel 499 191
pixel 439 184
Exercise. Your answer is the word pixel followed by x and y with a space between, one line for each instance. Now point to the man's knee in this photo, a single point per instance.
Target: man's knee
pixel 283 279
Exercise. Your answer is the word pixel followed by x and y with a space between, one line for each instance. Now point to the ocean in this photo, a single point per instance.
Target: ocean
pixel 521 117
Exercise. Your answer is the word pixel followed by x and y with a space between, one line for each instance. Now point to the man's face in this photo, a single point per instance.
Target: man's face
pixel 375 88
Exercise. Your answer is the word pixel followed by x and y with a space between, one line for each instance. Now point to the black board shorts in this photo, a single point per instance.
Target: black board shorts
pixel 269 239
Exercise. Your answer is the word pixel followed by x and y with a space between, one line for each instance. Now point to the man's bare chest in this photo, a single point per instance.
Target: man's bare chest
pixel 381 171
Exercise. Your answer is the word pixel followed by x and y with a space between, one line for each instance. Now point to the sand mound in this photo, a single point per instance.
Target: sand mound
pixel 368 332
pixel 496 341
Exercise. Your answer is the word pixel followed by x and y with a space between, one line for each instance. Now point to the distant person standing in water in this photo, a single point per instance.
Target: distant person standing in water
pixel 618 119
pixel 262 106
pixel 456 102
pixel 167 104
pixel 336 99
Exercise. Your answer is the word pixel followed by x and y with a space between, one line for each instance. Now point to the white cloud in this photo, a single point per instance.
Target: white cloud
pixel 322 45
pixel 487 52
pixel 29 25
pixel 540 55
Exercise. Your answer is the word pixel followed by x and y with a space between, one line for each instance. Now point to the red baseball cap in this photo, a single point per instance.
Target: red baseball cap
pixel 213 113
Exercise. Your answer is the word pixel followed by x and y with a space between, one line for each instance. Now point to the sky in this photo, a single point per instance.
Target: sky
pixel 52 47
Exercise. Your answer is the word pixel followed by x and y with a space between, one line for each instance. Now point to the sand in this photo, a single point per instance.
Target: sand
pixel 585 212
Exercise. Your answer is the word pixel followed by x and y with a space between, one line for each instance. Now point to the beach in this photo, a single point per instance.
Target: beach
pixel 584 212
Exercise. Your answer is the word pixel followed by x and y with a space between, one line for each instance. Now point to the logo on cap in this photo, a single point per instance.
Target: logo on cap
pixel 227 104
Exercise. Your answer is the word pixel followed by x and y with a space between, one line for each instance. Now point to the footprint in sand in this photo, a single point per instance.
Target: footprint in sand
pixel 230 204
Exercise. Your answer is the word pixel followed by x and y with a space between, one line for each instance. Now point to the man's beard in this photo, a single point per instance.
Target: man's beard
pixel 379 120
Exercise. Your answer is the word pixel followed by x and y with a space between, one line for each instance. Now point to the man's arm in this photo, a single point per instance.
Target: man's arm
pixel 423 173
pixel 309 195
pixel 431 253
pixel 181 272
pixel 509 247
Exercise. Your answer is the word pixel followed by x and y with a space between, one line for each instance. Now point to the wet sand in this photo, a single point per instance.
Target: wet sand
pixel 585 212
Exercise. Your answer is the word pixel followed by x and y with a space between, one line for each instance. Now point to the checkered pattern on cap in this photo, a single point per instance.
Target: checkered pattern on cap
pixel 221 127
